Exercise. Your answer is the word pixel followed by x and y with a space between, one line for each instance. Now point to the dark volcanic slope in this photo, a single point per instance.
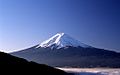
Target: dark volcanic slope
pixel 72 57
pixel 22 66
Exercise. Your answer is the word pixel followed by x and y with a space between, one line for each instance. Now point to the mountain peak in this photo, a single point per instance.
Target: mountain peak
pixel 61 33
pixel 61 40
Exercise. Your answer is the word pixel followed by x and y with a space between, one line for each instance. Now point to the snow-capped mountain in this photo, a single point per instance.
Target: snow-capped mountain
pixel 61 40
pixel 61 50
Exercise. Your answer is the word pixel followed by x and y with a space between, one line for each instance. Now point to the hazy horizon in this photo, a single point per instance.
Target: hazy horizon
pixel 25 23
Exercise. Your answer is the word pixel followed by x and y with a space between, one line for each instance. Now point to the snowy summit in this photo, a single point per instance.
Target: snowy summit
pixel 61 40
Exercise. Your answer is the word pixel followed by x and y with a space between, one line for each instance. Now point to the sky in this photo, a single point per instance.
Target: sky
pixel 25 23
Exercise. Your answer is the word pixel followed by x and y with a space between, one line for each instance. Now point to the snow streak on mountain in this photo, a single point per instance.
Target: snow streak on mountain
pixel 61 40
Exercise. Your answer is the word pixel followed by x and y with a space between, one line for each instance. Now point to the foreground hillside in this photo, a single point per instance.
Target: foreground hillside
pixel 14 64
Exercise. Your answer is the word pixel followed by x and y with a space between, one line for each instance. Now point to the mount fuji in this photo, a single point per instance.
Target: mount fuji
pixel 62 50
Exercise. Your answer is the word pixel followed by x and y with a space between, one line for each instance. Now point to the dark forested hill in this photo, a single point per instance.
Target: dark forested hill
pixel 22 66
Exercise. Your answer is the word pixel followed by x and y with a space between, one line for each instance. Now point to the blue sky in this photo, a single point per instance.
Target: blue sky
pixel 25 23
